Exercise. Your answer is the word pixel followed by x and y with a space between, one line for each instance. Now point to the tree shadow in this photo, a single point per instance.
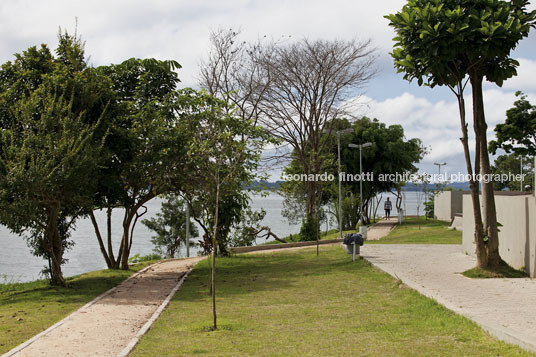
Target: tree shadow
pixel 246 274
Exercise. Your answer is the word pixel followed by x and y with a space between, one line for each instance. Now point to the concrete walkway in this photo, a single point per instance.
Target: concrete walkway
pixel 381 228
pixel 504 307
pixel 111 324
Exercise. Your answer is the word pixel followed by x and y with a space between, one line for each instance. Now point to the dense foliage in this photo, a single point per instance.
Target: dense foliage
pixel 451 43
pixel 518 132
pixel 169 227
pixel 390 153
pixel 74 138
pixel 52 110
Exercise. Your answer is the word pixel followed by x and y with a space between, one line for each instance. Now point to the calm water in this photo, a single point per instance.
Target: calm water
pixel 18 264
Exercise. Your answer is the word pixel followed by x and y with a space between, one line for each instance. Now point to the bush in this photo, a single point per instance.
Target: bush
pixel 169 227
pixel 145 258
pixel 310 229
pixel 429 207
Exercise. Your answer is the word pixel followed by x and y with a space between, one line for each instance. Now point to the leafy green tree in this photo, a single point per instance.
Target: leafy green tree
pixel 47 175
pixel 513 165
pixel 296 194
pixel 221 163
pixel 170 227
pixel 390 153
pixel 518 133
pixel 52 114
pixel 442 42
pixel 145 149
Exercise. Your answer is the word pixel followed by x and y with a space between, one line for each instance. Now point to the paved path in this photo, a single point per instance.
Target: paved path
pixel 504 307
pixel 381 228
pixel 108 325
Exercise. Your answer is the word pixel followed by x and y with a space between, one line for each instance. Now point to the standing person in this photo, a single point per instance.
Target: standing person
pixel 387 206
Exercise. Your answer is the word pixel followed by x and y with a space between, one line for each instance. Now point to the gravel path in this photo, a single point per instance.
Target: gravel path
pixel 504 307
pixel 106 326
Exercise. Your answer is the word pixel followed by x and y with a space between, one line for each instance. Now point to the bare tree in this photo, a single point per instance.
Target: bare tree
pixel 294 90
pixel 233 74
pixel 310 84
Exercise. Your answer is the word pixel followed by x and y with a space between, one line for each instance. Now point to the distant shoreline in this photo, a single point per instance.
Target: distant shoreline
pixel 409 187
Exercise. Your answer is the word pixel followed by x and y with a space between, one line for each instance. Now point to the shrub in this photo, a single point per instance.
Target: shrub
pixel 145 258
pixel 309 229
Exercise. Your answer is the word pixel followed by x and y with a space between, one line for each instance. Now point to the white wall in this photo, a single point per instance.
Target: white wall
pixel 447 204
pixel 517 236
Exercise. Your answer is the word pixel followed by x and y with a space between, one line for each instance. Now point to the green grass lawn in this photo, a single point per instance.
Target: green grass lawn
pixel 29 308
pixel 421 231
pixel 295 303
pixel 334 234
pixel 412 231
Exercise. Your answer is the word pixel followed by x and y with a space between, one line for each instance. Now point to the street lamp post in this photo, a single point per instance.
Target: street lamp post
pixel 521 167
pixel 187 230
pixel 439 164
pixel 339 132
pixel 360 146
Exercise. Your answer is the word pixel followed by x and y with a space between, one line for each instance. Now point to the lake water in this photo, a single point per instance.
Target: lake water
pixel 18 264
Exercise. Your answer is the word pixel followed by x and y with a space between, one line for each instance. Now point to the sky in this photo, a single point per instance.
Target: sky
pixel 117 30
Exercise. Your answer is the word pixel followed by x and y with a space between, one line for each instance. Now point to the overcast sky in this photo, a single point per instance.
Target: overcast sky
pixel 117 30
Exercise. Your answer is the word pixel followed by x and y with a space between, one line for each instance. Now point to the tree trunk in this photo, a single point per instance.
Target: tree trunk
pixel 99 239
pixel 398 202
pixel 115 263
pixel 125 241
pixel 481 253
pixel 108 253
pixel 214 245
pixel 488 197
pixel 377 205
pixel 54 247
pixel 311 199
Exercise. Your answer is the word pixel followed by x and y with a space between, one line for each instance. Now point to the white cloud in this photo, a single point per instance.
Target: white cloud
pixel 526 76
pixel 166 29
pixel 117 30
pixel 437 123
pixel 179 29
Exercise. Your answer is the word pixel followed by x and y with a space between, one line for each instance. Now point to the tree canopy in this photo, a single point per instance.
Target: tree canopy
pixel 52 112
pixel 512 164
pixel 441 42
pixel 390 153
pixel 144 149
pixel 518 132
